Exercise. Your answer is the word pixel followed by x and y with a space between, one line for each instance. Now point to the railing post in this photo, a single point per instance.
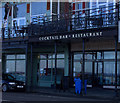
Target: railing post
pixel 44 25
pixel 3 33
pixel 8 33
pixel 85 20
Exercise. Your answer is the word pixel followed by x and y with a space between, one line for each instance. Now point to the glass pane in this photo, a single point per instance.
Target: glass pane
pixel 88 67
pixel 1 16
pixel 78 56
pixel 118 73
pixel 101 2
pixel 10 66
pixel 51 63
pixel 118 55
pixel 109 55
pixel 60 55
pixel 43 56
pixel 60 74
pixel 15 10
pixel 42 64
pixel 22 22
pixel 19 67
pixel 38 8
pixel 19 76
pixel 3 11
pixel 10 56
pixel 109 73
pixel 94 4
pixel 99 55
pixel 51 56
pixel 44 72
pixel 88 56
pixel 80 6
pixel 60 63
pixel 109 68
pixel 21 10
pixel 110 7
pixel 10 77
pixel 88 72
pixel 77 68
pixel 20 56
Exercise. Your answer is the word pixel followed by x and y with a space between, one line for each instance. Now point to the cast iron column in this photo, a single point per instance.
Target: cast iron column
pixel 116 92
pixel 83 69
pixel 55 63
pixel 26 78
pixel 31 66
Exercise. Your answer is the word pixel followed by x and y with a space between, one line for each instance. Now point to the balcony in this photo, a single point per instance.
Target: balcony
pixel 88 19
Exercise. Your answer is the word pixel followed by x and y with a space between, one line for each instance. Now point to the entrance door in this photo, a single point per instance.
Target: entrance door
pixel 98 74
pixel 46 69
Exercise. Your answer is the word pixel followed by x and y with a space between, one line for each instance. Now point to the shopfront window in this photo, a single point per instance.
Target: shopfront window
pixel 15 65
pixel 109 73
pixel 99 67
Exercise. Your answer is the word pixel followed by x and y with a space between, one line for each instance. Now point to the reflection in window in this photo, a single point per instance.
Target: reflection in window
pixel 20 56
pixel 77 68
pixel 19 67
pixel 10 77
pixel 60 55
pixel 60 63
pixel 38 8
pixel 21 10
pixel 78 56
pixel 10 56
pixel 109 55
pixel 22 22
pixel 10 66
pixel 88 56
pixel 46 70
pixel 99 55
pixel 109 73
pixel 15 10
pixel 88 67
pixel 43 56
pixel 15 65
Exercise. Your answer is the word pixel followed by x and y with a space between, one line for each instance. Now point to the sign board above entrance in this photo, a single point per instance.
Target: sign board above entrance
pixel 93 33
pixel 70 36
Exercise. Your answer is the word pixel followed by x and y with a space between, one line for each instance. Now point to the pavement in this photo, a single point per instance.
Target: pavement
pixel 92 93
pixel 17 97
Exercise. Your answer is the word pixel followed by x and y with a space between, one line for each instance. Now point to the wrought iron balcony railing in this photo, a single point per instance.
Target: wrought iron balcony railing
pixel 77 20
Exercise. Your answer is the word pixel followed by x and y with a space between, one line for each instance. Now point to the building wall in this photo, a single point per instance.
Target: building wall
pixel 95 45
